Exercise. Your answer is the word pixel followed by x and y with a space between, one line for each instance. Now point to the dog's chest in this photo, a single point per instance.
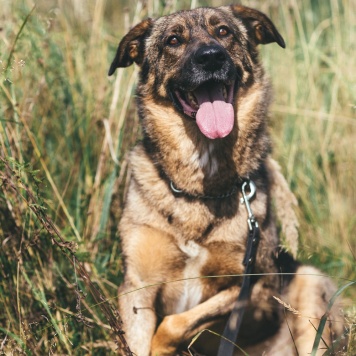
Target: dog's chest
pixel 190 289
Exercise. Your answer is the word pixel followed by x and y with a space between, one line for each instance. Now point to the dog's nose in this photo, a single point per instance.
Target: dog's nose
pixel 210 57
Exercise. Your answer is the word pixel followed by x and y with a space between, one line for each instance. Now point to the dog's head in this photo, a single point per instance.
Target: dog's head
pixel 196 61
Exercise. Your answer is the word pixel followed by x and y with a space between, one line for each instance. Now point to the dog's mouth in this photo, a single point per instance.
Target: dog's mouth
pixel 211 104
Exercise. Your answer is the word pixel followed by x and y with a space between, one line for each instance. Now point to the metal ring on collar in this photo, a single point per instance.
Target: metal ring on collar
pixel 175 190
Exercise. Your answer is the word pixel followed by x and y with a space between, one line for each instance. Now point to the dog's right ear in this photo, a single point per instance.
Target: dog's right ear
pixel 131 46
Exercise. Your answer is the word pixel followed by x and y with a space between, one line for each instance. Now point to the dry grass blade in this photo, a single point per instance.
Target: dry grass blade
pixel 18 36
pixel 287 306
pixel 195 338
pixel 290 332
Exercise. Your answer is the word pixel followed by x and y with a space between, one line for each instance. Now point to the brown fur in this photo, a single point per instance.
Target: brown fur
pixel 170 239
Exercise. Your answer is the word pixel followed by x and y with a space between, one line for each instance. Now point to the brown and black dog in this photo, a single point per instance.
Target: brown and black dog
pixel 203 99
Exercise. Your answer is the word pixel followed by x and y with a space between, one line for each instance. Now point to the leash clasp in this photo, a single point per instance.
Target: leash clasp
pixel 246 197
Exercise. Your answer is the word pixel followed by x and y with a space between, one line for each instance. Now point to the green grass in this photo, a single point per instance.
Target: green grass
pixel 65 128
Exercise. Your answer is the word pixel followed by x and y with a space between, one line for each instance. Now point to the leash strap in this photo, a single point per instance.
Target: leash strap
pixel 233 324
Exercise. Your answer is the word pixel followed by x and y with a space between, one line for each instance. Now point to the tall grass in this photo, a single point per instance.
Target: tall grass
pixel 65 128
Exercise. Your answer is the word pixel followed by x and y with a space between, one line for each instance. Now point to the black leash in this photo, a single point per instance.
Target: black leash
pixel 233 325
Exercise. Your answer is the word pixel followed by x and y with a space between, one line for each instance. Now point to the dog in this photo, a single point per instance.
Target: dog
pixel 203 100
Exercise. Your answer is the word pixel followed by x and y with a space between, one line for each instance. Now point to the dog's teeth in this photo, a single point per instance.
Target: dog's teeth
pixel 192 100
pixel 224 92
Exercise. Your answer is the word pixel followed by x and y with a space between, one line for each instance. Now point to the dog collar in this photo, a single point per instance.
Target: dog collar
pixel 181 192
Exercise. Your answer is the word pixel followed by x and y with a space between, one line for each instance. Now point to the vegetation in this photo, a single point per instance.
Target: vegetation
pixel 65 128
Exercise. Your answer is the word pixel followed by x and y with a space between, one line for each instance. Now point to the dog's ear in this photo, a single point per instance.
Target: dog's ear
pixel 259 26
pixel 131 46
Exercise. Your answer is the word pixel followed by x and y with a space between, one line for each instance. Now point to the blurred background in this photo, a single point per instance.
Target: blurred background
pixel 66 128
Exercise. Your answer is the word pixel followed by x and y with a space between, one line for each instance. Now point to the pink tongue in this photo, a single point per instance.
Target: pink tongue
pixel 215 117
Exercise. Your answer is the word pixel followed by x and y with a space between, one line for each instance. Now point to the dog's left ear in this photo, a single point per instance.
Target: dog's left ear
pixel 259 26
pixel 131 47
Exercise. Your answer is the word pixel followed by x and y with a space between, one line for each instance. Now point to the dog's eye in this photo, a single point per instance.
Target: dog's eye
pixel 173 41
pixel 223 31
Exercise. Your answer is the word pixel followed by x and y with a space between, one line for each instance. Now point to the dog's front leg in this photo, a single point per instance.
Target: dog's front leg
pixel 178 328
pixel 149 255
pixel 138 316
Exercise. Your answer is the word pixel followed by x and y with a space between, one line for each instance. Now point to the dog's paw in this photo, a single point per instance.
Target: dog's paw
pixel 167 338
pixel 162 350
